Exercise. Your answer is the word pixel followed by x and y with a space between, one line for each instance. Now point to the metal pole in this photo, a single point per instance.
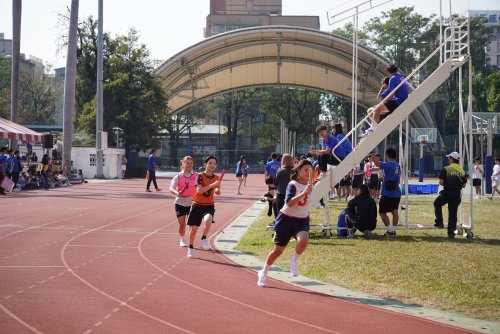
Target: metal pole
pixel 469 128
pixel 99 97
pixel 353 119
pixel 407 179
pixel 440 31
pixel 355 137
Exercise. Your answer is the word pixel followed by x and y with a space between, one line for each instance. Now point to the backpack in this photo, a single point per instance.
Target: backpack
pixel 341 222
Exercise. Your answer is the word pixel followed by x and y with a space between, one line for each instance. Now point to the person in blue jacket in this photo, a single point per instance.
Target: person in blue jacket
pixel 346 145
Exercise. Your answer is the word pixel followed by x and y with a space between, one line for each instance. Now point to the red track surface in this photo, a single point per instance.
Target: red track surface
pixel 106 258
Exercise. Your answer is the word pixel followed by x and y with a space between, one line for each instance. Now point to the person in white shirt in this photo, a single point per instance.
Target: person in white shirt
pixel 495 179
pixel 477 176
pixel 292 220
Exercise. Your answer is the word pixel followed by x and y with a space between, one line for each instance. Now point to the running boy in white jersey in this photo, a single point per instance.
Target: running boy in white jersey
pixel 292 220
pixel 183 186
pixel 495 179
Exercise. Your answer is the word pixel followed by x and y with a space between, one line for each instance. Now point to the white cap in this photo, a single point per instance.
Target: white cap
pixel 454 155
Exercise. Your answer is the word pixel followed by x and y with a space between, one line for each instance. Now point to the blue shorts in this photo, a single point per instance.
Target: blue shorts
pixel 286 227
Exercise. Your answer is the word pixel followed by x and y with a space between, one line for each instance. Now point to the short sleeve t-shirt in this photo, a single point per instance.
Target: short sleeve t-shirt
pixel 301 210
pixel 331 142
pixel 272 167
pixel 496 169
pixel 391 173
pixel 346 144
pixel 151 163
pixel 401 93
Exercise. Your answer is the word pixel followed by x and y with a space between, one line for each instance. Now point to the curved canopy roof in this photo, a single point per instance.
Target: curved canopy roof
pixel 274 56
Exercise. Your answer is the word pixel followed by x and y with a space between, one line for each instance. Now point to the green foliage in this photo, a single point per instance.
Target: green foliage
pixel 134 99
pixel 37 94
pixel 493 96
pixel 347 31
pixel 397 35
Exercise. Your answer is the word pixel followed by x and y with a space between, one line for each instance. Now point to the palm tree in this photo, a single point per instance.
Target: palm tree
pixel 16 46
pixel 69 88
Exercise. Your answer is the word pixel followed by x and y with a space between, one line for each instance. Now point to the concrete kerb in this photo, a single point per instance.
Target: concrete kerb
pixel 227 241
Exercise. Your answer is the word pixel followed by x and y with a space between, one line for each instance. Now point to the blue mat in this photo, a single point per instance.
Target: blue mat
pixel 422 189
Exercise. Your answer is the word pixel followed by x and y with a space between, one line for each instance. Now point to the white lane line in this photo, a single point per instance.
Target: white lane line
pixel 8 297
pixel 94 246
pixel 88 331
pixel 284 317
pixel 93 287
pixel 19 320
pixel 97 324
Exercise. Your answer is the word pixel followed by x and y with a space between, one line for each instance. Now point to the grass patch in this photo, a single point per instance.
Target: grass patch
pixel 418 267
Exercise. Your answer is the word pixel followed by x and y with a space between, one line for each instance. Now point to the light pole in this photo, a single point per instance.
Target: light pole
pixel 117 131
pixel 99 94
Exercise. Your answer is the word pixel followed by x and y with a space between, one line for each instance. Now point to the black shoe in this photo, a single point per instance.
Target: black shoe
pixel 439 225
pixel 390 234
pixel 451 236
pixel 269 213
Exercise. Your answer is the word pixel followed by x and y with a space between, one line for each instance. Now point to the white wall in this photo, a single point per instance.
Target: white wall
pixel 81 157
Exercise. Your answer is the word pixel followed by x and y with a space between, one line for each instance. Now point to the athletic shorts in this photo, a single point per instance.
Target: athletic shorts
pixel 388 204
pixel 345 182
pixel 198 212
pixel 495 183
pixel 286 227
pixel 391 105
pixel 357 181
pixel 239 174
pixel 374 182
pixel 476 182
pixel 181 210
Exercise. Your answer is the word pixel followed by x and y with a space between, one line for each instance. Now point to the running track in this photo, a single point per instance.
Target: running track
pixel 105 258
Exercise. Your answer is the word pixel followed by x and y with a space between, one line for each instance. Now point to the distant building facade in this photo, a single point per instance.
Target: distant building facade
pixel 493 17
pixel 227 15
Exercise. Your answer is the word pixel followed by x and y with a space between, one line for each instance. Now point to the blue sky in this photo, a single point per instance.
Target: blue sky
pixel 168 29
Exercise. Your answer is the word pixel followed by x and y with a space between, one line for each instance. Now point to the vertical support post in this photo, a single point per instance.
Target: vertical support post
pixel 470 156
pixel 421 164
pixel 488 165
pixel 407 180
pixel 99 94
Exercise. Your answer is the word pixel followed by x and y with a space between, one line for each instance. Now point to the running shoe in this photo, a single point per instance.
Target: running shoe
pixel 390 233
pixel 294 269
pixel 149 191
pixel 158 189
pixel 262 281
pixel 204 244
pixel 182 243
pixel 190 252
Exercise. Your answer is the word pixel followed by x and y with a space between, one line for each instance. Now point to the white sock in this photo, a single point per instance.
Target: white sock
pixel 295 257
pixel 390 228
pixel 266 268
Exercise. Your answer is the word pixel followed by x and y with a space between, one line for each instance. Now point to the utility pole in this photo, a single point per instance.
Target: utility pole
pixel 99 97
pixel 16 52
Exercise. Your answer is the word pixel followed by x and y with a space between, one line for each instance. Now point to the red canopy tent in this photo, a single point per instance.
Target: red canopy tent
pixel 11 130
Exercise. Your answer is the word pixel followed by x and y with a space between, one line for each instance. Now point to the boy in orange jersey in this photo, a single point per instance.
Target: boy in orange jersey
pixel 203 208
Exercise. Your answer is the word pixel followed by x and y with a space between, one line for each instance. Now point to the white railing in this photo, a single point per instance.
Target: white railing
pixel 452 46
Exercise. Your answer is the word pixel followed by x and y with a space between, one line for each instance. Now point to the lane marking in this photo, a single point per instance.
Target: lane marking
pixel 121 302
pixel 19 320
pixel 255 308
pixel 31 266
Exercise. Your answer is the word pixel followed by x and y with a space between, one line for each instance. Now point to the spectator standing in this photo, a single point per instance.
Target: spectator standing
pixel 3 161
pixel 453 179
pixel 45 171
pixel 16 168
pixel 495 179
pixel 124 166
pixel 477 176
pixel 239 173
pixel 391 192
pixel 270 171
pixel 152 167
pixel 282 179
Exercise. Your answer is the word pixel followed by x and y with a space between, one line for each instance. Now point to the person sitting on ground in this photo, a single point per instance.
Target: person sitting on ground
pixel 326 156
pixel 395 98
pixel 361 212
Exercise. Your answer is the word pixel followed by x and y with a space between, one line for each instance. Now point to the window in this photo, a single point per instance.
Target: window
pixel 93 160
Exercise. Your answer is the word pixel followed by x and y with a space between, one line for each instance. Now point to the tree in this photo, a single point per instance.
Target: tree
pixel 299 108
pixel 398 35
pixel 5 69
pixel 493 96
pixel 347 30
pixel 134 99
